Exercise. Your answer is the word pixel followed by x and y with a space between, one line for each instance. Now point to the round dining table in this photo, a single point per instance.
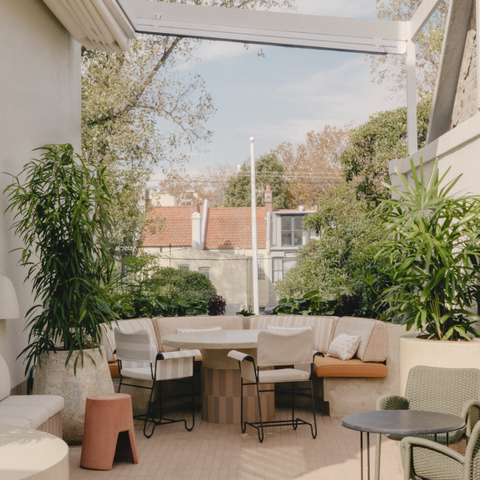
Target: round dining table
pixel 221 381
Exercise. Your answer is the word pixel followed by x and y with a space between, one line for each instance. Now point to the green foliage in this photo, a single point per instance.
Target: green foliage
pixel 61 217
pixel 138 111
pixel 340 264
pixel 376 142
pixel 428 47
pixel 432 243
pixel 269 171
pixel 310 303
pixel 146 290
pixel 245 313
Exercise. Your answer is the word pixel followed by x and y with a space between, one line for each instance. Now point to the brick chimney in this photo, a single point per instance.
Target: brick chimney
pixel 268 200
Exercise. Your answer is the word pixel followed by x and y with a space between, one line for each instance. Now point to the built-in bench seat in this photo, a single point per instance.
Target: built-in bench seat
pixel 38 412
pixel 368 362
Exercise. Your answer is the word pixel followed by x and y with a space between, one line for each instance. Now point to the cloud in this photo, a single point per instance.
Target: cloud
pixel 210 51
pixel 339 96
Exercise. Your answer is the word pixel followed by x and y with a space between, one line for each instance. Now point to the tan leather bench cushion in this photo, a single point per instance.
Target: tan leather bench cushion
pixel 334 367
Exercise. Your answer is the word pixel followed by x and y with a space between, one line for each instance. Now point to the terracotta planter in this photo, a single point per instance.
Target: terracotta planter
pixel 417 351
pixel 53 378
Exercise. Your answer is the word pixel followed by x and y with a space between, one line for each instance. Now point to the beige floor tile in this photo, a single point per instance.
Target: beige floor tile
pixel 222 452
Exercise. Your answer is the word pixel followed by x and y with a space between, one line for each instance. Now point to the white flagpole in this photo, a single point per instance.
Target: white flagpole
pixel 256 307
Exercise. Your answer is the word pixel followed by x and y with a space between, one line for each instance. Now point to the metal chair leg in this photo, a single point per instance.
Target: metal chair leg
pixel 313 411
pixel 294 423
pixel 148 412
pixel 243 425
pixel 261 421
pixel 193 411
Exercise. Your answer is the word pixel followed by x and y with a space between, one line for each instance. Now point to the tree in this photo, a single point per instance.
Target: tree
pixel 428 47
pixel 340 263
pixel 269 171
pixel 314 167
pixel 209 184
pixel 376 142
pixel 137 110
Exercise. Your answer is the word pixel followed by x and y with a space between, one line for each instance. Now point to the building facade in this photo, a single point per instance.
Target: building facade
pixel 218 242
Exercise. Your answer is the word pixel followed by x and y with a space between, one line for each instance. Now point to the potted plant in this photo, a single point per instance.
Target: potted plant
pixel 431 242
pixel 60 214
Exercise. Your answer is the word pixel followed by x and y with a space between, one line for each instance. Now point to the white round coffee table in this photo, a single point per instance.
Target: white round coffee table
pixel 27 453
pixel 221 400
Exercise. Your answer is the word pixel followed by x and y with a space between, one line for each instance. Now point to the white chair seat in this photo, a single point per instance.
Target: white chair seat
pixel 283 375
pixel 139 373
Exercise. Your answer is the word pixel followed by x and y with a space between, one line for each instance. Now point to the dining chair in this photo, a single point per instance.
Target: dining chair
pixel 140 360
pixel 292 356
pixel 423 458
pixel 434 389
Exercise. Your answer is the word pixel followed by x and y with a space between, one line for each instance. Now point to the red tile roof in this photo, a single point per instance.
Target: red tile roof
pixel 226 227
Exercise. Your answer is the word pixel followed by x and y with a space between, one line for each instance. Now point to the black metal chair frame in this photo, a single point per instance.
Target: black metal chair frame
pixel 151 417
pixel 294 422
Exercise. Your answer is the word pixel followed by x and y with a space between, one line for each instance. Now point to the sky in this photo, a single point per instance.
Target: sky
pixel 283 95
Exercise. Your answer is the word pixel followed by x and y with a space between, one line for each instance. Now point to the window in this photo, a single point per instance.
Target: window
pixel 292 231
pixel 205 271
pixel 277 269
pixel 184 267
pixel 261 267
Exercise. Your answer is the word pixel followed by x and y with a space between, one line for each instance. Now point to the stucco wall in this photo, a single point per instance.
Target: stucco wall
pixel 465 105
pixel 40 102
pixel 457 149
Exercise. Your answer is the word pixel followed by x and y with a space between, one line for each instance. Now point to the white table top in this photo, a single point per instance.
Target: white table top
pixel 26 453
pixel 217 340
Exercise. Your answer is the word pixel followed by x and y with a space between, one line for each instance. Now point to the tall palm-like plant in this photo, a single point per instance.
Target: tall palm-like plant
pixel 432 242
pixel 60 215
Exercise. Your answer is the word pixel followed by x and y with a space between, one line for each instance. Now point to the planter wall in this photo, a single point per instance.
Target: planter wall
pixel 415 351
pixel 53 378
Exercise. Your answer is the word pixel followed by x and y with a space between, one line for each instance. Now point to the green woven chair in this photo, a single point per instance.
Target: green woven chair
pixel 432 389
pixel 424 459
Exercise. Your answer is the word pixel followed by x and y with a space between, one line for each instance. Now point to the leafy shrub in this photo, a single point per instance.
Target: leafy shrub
pixel 174 283
pixel 341 264
pixel 146 290
pixel 310 303
pixel 432 242
pixel 217 305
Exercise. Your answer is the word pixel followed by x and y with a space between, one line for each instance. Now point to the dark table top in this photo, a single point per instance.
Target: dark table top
pixel 403 422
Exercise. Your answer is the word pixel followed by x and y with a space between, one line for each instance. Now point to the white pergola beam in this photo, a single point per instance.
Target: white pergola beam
pixel 267 28
pixel 422 15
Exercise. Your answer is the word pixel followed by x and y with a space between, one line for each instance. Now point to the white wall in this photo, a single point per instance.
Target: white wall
pixel 459 149
pixel 40 103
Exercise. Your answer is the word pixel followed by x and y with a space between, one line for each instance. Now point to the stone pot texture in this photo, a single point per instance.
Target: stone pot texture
pixel 53 378
pixel 434 353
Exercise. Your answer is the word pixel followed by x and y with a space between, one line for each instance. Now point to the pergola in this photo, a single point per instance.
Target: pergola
pixel 111 25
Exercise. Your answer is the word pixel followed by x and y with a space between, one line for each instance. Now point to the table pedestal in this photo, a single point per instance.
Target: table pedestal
pixel 221 401
pixel 221 389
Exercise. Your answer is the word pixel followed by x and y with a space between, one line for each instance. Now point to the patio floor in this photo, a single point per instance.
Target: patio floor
pixel 220 452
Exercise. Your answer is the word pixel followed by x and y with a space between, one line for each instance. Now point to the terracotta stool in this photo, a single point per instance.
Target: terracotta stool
pixel 108 431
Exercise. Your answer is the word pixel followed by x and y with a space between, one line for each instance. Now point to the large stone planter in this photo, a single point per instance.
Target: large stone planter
pixel 53 378
pixel 417 351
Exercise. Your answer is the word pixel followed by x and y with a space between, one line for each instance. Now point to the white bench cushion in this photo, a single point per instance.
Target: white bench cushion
pixel 53 403
pixel 35 414
pixel 16 422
